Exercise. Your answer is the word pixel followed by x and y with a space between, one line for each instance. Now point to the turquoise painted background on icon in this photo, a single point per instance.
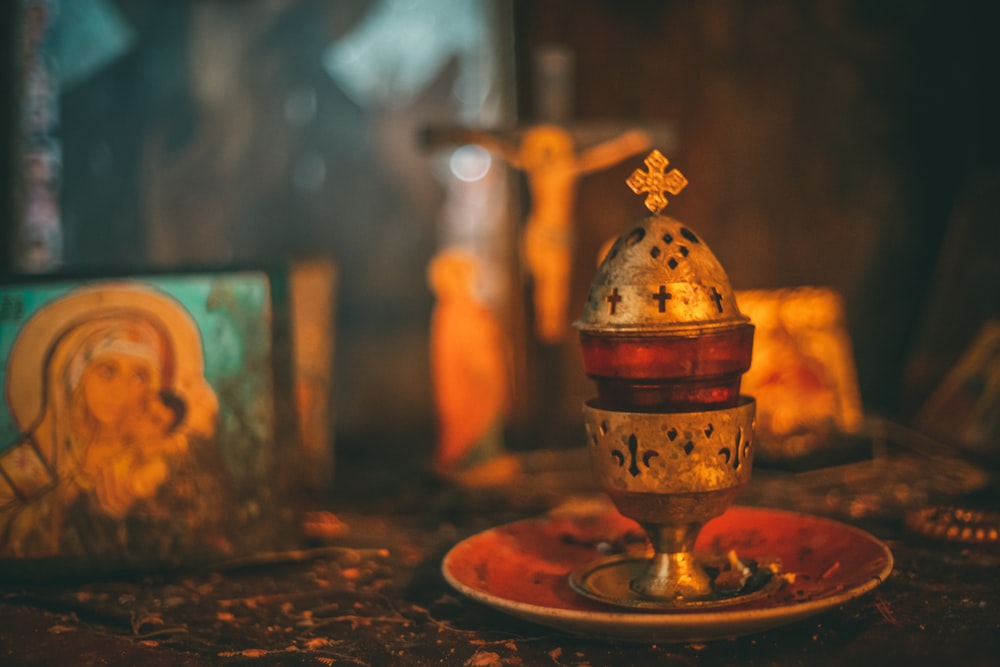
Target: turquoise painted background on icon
pixel 233 314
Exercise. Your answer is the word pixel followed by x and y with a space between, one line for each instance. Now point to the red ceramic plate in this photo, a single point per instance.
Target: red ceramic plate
pixel 523 569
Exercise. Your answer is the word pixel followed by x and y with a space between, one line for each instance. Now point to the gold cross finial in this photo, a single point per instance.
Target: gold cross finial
pixel 656 181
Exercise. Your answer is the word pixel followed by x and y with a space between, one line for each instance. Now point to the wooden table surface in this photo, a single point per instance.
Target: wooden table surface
pixel 374 595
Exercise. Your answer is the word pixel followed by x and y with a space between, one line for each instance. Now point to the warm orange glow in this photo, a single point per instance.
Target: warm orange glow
pixel 468 363
pixel 803 373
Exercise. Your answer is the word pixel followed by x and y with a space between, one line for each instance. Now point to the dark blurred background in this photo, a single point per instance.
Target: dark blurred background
pixel 839 143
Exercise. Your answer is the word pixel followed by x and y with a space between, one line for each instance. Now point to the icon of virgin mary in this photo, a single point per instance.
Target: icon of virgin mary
pixel 106 385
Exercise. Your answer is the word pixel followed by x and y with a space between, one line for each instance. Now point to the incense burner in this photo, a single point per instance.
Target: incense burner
pixel 671 438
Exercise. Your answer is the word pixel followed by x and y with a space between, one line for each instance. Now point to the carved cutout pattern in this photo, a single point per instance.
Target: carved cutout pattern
pixel 633 456
pixel 739 452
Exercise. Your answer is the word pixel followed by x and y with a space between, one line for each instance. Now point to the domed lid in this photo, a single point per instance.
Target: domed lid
pixel 659 276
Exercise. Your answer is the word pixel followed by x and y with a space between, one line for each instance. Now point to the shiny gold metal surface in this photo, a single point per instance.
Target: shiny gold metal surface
pixel 955 524
pixel 660 278
pixel 671 438
pixel 672 472
pixel 671 453
pixel 656 181
pixel 607 580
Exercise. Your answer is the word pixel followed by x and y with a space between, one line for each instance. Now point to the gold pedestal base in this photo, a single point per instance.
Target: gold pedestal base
pixel 671 473
pixel 670 576
pixel 612 581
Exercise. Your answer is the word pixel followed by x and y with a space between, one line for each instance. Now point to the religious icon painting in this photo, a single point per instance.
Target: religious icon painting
pixel 803 374
pixel 139 421
pixel 964 410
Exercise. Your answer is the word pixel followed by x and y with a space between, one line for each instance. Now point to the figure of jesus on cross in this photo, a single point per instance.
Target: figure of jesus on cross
pixel 547 154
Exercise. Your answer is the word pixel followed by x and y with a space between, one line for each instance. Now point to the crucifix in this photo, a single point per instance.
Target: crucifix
pixel 549 157
pixel 553 153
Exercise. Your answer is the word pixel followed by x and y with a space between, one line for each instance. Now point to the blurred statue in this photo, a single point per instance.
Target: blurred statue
pixel 470 376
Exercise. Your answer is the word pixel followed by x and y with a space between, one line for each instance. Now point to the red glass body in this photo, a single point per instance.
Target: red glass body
pixel 668 373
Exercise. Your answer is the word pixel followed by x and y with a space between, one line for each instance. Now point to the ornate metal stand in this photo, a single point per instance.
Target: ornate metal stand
pixel 671 437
